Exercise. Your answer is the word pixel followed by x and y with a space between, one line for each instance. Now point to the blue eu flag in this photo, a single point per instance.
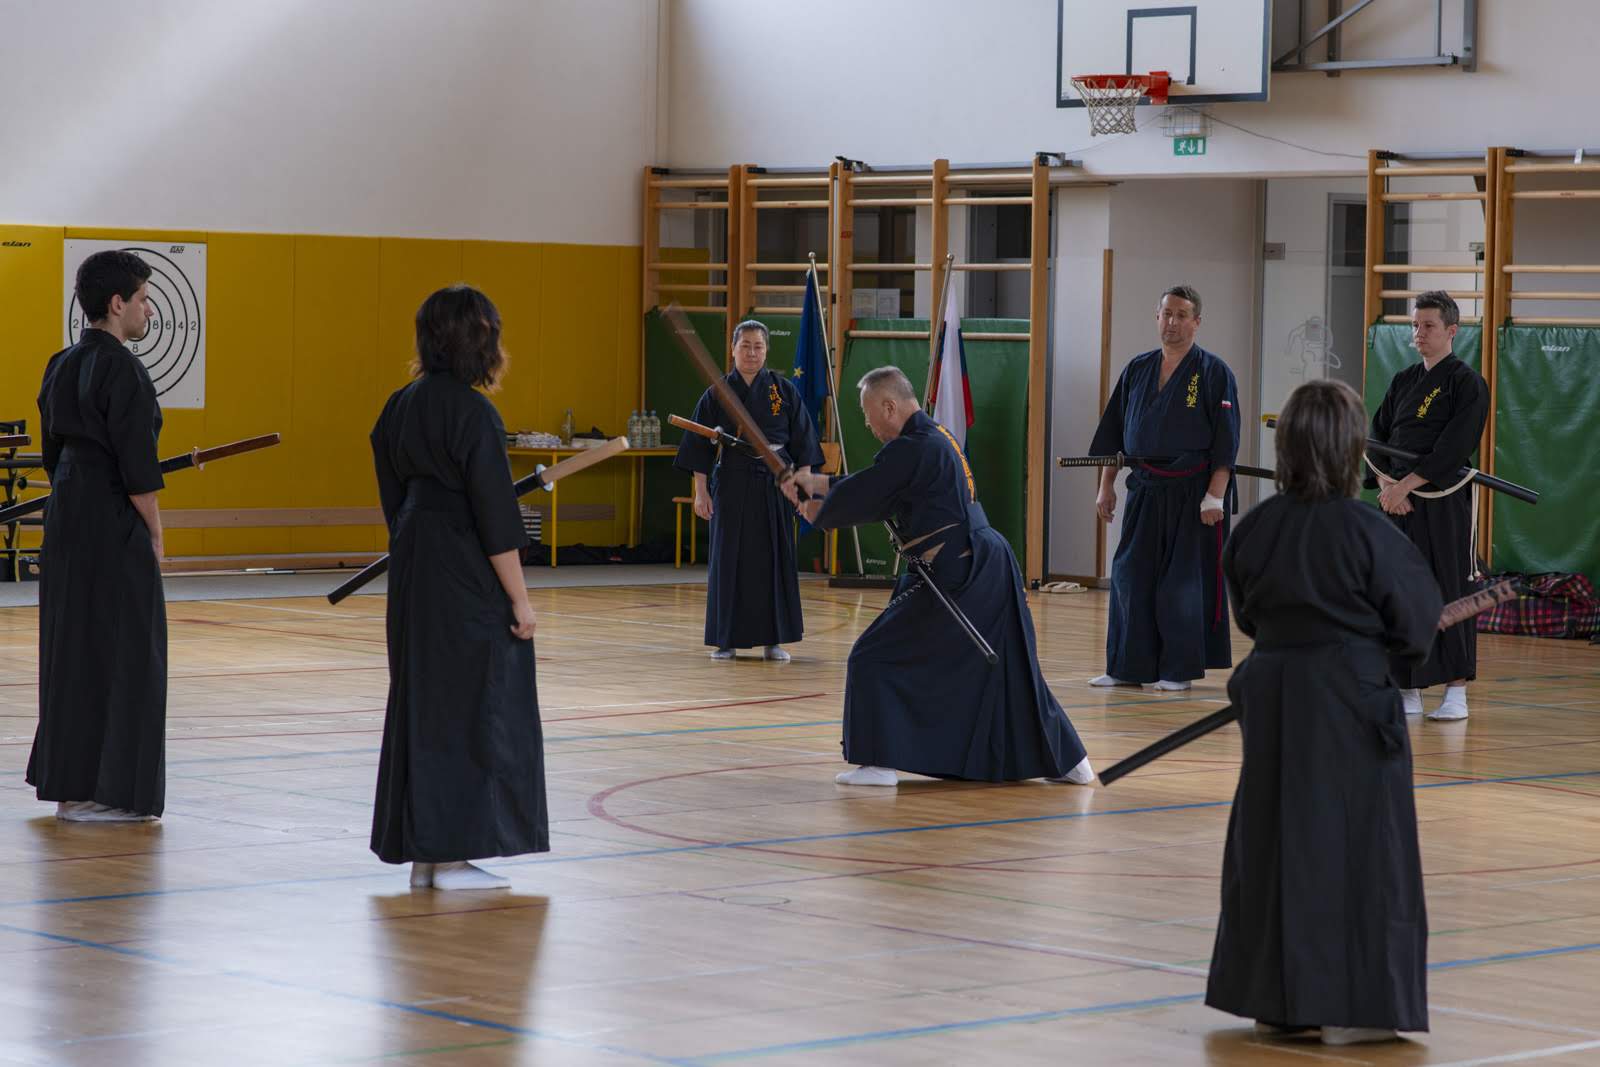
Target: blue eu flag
pixel 810 359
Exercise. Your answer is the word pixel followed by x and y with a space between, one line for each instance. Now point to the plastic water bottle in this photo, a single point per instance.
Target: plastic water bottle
pixel 654 432
pixel 634 430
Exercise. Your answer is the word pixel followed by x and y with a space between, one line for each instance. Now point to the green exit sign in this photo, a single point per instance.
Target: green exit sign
pixel 1188 146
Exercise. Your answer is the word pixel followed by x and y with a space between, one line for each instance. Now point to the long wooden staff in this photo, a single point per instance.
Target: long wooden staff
pixel 195 457
pixel 1457 611
pixel 543 478
pixel 696 350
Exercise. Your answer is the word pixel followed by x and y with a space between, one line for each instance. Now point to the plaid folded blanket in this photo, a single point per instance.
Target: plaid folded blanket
pixel 1551 605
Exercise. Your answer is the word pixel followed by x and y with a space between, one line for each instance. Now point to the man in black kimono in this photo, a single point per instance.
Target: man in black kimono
pixel 1436 408
pixel 752 589
pixel 1179 403
pixel 100 749
pixel 919 696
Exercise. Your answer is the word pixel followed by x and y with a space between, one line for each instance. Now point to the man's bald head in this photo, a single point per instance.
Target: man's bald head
pixel 890 382
pixel 887 401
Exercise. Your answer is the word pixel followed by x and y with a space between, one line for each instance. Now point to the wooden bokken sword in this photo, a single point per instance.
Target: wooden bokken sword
pixel 691 344
pixel 195 457
pixel 543 478
pixel 1457 611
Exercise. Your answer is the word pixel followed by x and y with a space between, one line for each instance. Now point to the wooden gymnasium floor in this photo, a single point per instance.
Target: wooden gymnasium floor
pixel 712 897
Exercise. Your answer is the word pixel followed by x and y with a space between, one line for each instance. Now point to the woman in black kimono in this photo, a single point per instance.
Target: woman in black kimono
pixel 752 588
pixel 1323 923
pixel 461 776
pixel 100 748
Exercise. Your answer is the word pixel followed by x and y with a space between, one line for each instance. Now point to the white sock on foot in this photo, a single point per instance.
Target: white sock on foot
pixel 421 875
pixel 867 776
pixel 89 811
pixel 1082 774
pixel 1164 686
pixel 776 654
pixel 1105 680
pixel 1355 1035
pixel 1411 700
pixel 723 653
pixel 1454 705
pixel 464 875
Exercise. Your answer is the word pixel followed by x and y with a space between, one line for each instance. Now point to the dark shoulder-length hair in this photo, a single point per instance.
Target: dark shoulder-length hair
pixel 458 333
pixel 1322 433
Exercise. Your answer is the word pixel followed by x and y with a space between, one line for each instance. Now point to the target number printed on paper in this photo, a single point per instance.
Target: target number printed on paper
pixel 173 350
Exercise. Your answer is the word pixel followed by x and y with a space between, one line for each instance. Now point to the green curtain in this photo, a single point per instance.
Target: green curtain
pixel 1547 426
pixel 996 444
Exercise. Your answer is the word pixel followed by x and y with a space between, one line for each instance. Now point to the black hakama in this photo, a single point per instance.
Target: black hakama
pixel 753 590
pixel 1323 921
pixel 461 776
pixel 1169 613
pixel 1439 415
pixel 918 695
pixel 102 614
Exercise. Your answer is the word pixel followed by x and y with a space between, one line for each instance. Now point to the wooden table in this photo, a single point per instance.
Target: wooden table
pixel 634 457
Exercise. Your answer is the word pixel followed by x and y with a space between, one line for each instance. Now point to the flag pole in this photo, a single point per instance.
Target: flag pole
pixel 833 395
pixel 936 351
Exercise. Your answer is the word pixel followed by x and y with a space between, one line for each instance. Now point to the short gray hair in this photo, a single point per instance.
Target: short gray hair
pixel 752 324
pixel 1183 292
pixel 891 380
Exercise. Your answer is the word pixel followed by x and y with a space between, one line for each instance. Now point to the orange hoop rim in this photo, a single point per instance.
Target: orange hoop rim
pixel 1155 85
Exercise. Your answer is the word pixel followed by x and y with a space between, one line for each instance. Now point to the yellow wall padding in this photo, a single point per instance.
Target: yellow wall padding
pixel 307 335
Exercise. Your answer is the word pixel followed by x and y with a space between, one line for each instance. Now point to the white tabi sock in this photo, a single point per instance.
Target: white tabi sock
pixel 1411 700
pixel 776 654
pixel 1454 705
pixel 868 776
pixel 1105 680
pixel 723 653
pixel 1164 686
pixel 421 875
pixel 466 876
pixel 89 811
pixel 1082 774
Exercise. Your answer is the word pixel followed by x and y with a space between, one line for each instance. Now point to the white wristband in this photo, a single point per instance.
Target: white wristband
pixel 1210 503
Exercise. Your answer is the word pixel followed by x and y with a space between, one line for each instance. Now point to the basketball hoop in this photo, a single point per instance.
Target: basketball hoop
pixel 1111 98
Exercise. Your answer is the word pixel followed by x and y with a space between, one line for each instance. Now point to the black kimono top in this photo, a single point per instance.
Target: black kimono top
pixel 440 430
pixel 1439 414
pixel 920 481
pixel 775 404
pixel 1193 419
pixel 97 394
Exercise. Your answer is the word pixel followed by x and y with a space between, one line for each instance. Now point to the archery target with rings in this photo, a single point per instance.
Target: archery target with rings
pixel 174 348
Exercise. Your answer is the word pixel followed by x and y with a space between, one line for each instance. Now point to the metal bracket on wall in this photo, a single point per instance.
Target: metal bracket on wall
pixel 1294 60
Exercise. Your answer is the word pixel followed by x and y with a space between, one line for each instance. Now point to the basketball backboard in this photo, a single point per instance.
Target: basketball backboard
pixel 1215 50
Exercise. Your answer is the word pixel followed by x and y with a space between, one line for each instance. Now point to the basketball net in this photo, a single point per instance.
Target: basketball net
pixel 1110 99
